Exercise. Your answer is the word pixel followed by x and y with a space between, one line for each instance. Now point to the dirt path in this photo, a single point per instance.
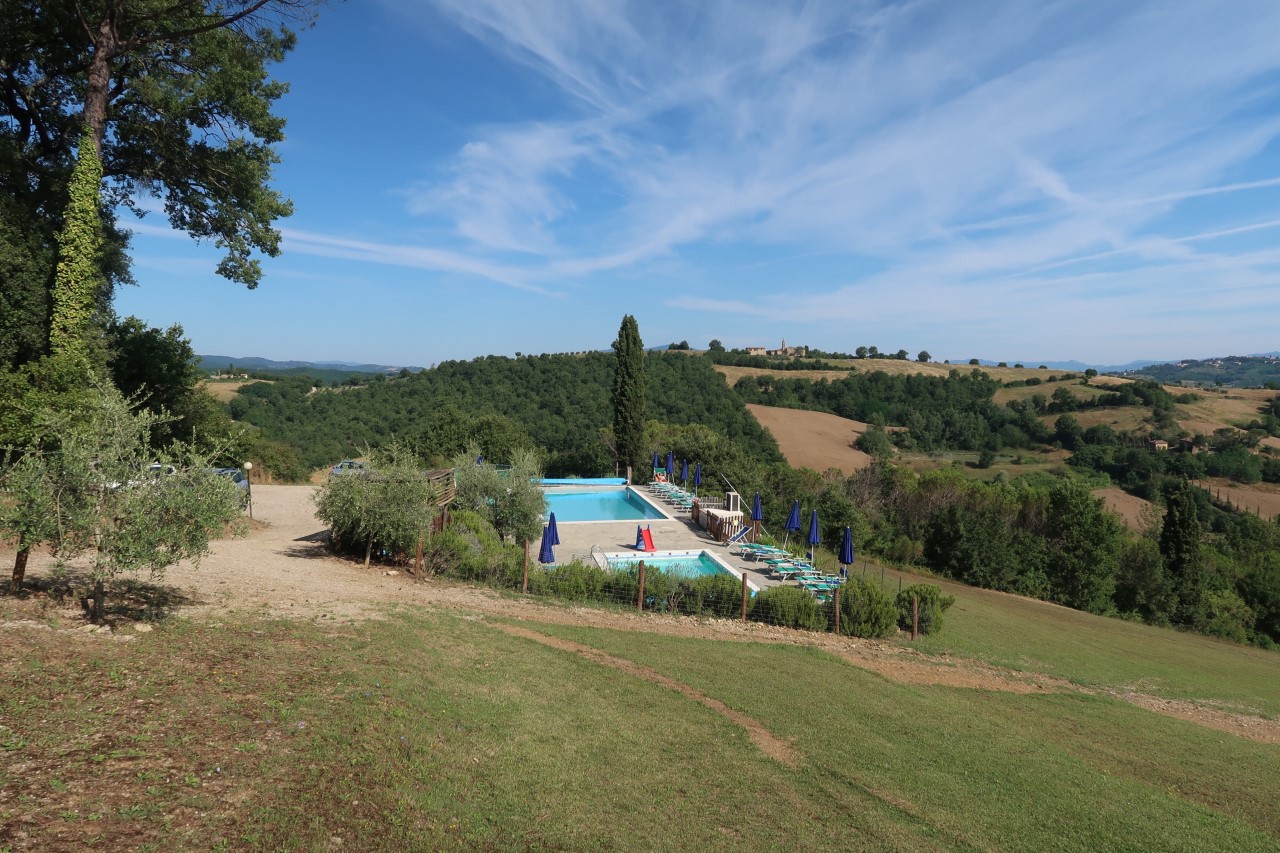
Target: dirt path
pixel 768 743
pixel 283 568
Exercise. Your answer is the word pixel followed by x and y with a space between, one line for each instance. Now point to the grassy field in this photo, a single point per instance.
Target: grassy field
pixel 224 390
pixel 441 730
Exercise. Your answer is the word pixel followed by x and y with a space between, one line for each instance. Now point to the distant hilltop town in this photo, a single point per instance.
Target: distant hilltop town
pixel 783 350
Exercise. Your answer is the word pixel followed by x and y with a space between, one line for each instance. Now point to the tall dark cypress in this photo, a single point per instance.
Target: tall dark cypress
pixel 1180 540
pixel 628 395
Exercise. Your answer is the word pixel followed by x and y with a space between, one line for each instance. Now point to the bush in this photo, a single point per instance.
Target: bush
pixel 933 603
pixel 788 607
pixel 865 609
pixel 711 595
pixel 574 581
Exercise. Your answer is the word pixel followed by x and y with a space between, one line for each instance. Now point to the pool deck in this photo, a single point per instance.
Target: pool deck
pixel 669 534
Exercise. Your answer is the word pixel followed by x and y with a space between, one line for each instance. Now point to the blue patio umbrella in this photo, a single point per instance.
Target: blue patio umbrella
pixel 793 523
pixel 671 465
pixel 697 477
pixel 655 460
pixel 545 554
pixel 757 512
pixel 814 538
pixel 684 472
pixel 555 532
pixel 846 552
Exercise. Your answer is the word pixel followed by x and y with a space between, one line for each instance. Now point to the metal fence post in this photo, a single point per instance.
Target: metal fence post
pixel 837 604
pixel 640 597
pixel 524 587
pixel 744 596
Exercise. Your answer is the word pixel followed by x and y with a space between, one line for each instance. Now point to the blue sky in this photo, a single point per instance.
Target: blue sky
pixel 1008 180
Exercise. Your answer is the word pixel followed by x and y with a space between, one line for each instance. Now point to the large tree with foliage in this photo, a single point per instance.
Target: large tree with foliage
pixel 175 100
pixel 628 396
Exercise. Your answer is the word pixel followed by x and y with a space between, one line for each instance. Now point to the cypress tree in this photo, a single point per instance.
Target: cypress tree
pixel 1180 548
pixel 628 395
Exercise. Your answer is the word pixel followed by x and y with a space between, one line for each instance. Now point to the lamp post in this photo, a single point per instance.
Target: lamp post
pixel 248 480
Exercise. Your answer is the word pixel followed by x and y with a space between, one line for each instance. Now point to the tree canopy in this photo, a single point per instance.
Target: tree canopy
pixel 176 98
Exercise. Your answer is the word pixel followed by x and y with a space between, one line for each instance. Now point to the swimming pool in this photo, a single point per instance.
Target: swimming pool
pixel 685 564
pixel 601 505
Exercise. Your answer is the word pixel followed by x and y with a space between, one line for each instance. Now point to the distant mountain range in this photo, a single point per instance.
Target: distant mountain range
pixel 251 363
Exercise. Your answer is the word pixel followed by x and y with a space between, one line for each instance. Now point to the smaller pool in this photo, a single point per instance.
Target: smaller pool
pixel 685 564
pixel 601 505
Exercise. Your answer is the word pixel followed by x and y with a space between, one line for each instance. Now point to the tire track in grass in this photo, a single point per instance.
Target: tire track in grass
pixel 770 744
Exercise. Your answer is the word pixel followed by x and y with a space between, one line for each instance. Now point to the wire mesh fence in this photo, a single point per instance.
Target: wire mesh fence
pixel 765 587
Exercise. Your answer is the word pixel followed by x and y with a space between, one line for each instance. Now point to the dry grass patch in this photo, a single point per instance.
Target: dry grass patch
pixel 1134 511
pixel 224 392
pixel 814 440
pixel 1263 499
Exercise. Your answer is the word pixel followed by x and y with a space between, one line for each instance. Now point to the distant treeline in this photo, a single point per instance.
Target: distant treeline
pixel 1241 371
pixel 559 403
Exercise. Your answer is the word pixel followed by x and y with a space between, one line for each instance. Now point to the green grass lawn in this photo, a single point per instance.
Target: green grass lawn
pixel 1098 651
pixel 439 731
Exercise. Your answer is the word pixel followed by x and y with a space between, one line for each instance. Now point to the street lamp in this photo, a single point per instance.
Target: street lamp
pixel 248 479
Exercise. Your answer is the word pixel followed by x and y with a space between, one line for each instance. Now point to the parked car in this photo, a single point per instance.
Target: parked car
pixel 235 475
pixel 346 466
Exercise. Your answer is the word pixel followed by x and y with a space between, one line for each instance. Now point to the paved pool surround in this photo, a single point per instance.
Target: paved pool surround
pixel 675 533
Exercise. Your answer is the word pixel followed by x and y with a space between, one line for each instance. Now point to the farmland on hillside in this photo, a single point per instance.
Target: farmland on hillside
pixel 814 440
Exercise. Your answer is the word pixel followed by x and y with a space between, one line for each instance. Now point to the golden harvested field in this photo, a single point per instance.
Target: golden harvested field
pixel 732 374
pixel 224 391
pixel 1260 498
pixel 1026 392
pixel 1216 411
pixel 895 367
pixel 1121 419
pixel 1033 461
pixel 1133 510
pixel 814 439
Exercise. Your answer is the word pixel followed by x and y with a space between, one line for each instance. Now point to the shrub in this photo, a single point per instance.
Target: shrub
pixel 485 558
pixel 788 607
pixel 574 581
pixel 865 609
pixel 712 595
pixel 933 603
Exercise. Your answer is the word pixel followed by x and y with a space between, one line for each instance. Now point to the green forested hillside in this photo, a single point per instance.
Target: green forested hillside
pixel 561 402
pixel 1240 371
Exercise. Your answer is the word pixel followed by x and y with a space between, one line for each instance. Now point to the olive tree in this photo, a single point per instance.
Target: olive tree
pixel 110 501
pixel 390 504
pixel 27 510
pixel 508 498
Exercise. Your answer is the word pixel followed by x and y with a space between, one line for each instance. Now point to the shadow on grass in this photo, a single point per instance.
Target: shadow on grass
pixel 128 599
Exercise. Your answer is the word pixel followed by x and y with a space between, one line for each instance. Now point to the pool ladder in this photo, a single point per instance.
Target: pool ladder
pixel 597 554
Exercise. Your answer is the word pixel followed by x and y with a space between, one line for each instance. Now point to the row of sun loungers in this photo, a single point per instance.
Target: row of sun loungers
pixel 786 567
pixel 672 494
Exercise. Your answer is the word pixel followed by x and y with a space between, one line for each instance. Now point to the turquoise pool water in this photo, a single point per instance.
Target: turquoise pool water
pixel 686 566
pixel 612 505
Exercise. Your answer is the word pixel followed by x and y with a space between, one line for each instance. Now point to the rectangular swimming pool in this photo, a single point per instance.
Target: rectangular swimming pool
pixel 688 564
pixel 601 505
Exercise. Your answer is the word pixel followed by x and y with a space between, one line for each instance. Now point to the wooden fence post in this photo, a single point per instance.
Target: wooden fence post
pixel 837 603
pixel 744 596
pixel 640 596
pixel 915 617
pixel 417 566
pixel 524 587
